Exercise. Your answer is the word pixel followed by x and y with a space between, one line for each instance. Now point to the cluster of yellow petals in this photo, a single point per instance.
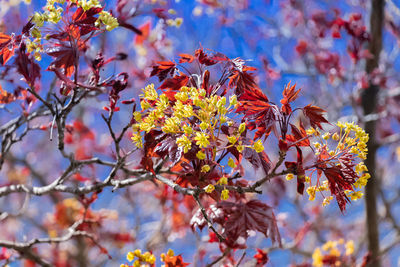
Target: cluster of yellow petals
pixel 350 139
pixel 145 259
pixel 333 249
pixel 194 119
pixel 52 13
pixel 139 259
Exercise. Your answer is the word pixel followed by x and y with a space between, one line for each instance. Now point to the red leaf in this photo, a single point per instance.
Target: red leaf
pixel 257 111
pixel 65 57
pixel 186 58
pixel 174 261
pixel 168 147
pixel 203 58
pixel 242 217
pixel 6 48
pixel 27 66
pixel 175 83
pixel 314 114
pixel 259 160
pixel 85 19
pixel 163 69
pixel 298 134
pixel 6 97
pixel 301 47
pixel 261 257
pixel 243 81
pixel 289 95
pixel 145 30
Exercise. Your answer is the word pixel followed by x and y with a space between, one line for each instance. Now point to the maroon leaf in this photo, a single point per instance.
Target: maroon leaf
pixel 175 83
pixel 6 48
pixel 65 57
pixel 85 20
pixel 168 147
pixel 298 134
pixel 314 114
pixel 27 66
pixel 186 58
pixel 259 160
pixel 163 69
pixel 203 58
pixel 289 95
pixel 243 81
pixel 254 215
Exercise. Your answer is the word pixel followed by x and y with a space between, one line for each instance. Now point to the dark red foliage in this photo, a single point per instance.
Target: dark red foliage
pixel 175 83
pixel 174 261
pixel 289 95
pixel 7 46
pixel 162 69
pixel 259 160
pixel 65 57
pixel 261 257
pixel 338 184
pixel 186 58
pixel 243 81
pixel 298 136
pixel 314 114
pixel 257 110
pixel 239 218
pixel 117 86
pixel 85 20
pixel 204 58
pixel 27 66
pixel 168 147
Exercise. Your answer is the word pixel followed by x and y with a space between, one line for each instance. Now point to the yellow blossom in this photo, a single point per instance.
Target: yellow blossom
pixel 289 176
pixel 184 142
pixel 311 193
pixel 233 100
pixel 201 139
pixel 335 137
pixel 326 136
pixel 188 130
pixel 200 155
pixel 205 168
pixel 223 180
pixel 130 256
pixel 231 163
pixel 209 188
pixel 317 258
pixel 327 200
pixel 258 146
pixel 225 194
pixel 349 247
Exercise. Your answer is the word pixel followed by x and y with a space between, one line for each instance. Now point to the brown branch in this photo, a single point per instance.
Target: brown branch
pixel 369 102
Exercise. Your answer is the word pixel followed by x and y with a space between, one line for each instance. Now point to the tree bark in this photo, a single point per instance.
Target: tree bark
pixel 369 102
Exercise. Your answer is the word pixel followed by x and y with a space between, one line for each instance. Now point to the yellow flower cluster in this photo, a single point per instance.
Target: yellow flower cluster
pixel 108 20
pixel 193 118
pixel 53 14
pixel 332 249
pixel 145 259
pixel 351 139
pixel 174 22
pixel 177 118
